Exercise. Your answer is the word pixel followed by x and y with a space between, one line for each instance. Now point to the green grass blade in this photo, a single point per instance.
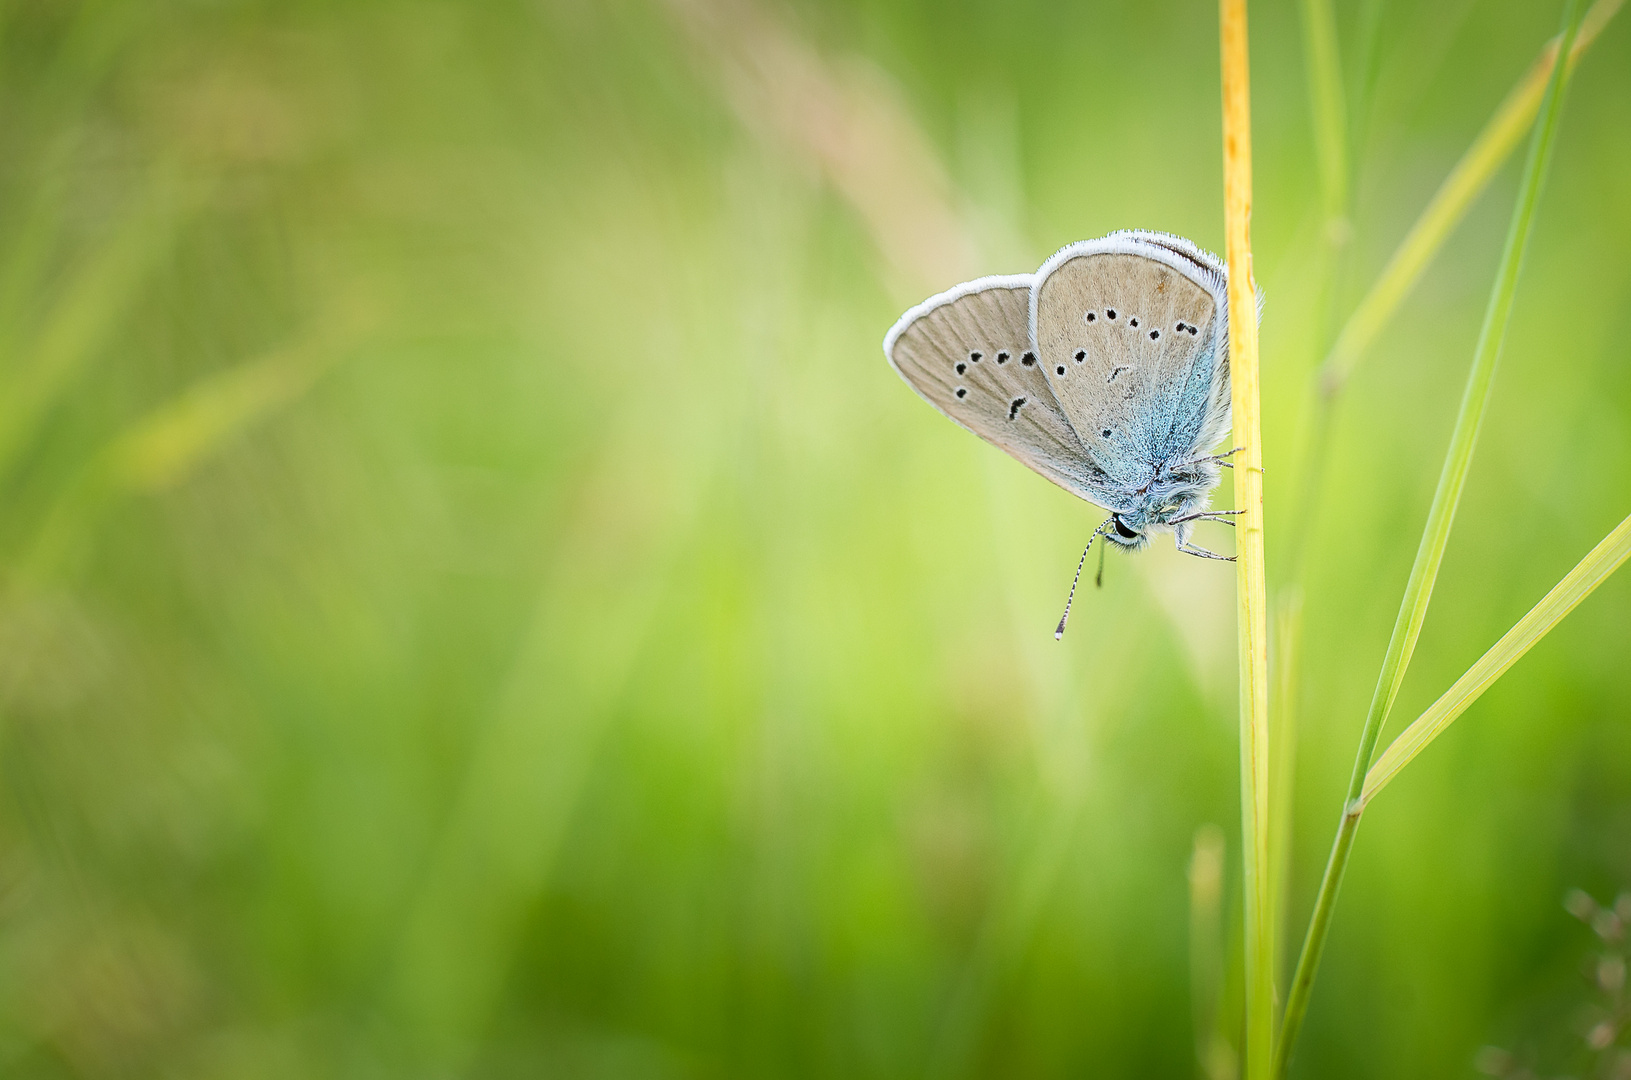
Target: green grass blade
pixel 1214 1055
pixel 1322 62
pixel 1443 213
pixel 1449 204
pixel 1578 584
pixel 1285 659
pixel 1329 107
pixel 1435 536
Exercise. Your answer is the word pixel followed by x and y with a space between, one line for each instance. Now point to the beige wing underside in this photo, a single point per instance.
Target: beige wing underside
pixel 1128 346
pixel 968 353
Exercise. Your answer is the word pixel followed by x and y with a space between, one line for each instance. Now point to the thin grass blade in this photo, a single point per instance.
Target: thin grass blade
pixel 1286 669
pixel 1449 204
pixel 1578 584
pixel 1435 536
pixel 1322 60
pixel 1214 1055
pixel 1329 106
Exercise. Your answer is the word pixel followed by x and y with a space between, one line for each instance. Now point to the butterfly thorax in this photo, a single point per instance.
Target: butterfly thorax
pixel 1168 502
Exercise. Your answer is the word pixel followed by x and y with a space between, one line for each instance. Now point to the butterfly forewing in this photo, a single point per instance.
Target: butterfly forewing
pixel 1128 333
pixel 968 353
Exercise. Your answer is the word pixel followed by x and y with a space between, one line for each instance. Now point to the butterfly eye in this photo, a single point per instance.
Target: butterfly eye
pixel 1122 530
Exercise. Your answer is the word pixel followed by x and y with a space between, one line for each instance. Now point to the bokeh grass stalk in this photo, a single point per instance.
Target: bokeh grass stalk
pixel 99 290
pixel 1286 671
pixel 1213 1053
pixel 1435 536
pixel 1330 110
pixel 1466 181
pixel 1578 584
pixel 1449 205
pixel 1253 593
pixel 163 448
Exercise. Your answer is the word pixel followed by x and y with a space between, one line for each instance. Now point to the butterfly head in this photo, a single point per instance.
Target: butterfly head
pixel 1168 502
pixel 1129 530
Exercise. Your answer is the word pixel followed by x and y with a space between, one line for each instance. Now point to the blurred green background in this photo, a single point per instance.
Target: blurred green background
pixel 475 601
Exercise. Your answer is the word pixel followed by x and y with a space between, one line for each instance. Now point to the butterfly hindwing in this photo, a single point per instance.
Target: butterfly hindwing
pixel 1131 331
pixel 968 352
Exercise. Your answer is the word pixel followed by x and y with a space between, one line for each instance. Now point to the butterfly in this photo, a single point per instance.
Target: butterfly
pixel 1107 371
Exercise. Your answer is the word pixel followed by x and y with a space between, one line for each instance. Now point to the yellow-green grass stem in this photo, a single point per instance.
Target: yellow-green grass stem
pixel 1435 536
pixel 1252 586
pixel 1578 584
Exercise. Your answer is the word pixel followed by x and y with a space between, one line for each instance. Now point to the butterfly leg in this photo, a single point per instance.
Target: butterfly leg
pixel 1217 459
pixel 1220 516
pixel 1202 553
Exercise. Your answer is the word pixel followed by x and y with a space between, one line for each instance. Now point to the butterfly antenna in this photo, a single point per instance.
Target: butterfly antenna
pixel 1059 631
